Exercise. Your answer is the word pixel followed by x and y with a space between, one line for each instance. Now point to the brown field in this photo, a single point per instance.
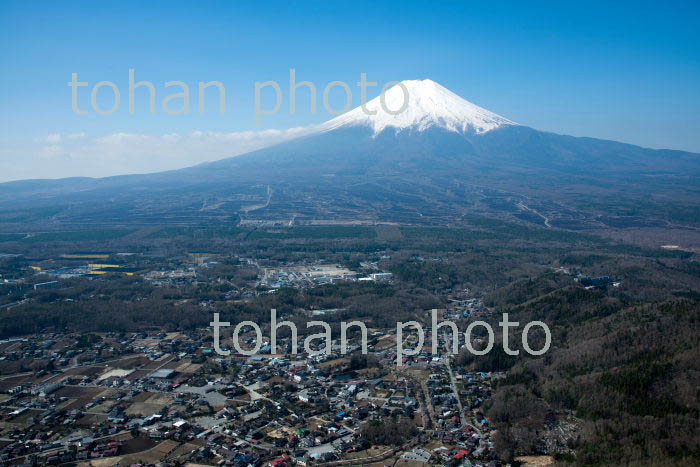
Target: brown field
pixel 161 362
pixel 148 456
pixel 137 374
pixel 75 392
pixel 184 450
pixel 187 367
pixel 371 452
pixel 105 407
pixel 89 371
pixel 151 405
pixel 334 363
pixel 535 461
pixel 78 396
pixel 130 363
pixel 142 397
pixel 8 383
pixel 139 444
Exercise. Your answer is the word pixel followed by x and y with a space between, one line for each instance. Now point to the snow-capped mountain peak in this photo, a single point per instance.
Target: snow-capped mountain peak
pixel 429 105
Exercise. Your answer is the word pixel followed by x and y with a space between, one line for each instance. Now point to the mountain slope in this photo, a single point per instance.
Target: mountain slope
pixel 439 160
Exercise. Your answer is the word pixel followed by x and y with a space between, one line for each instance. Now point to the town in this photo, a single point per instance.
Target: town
pixel 169 397
pixel 108 355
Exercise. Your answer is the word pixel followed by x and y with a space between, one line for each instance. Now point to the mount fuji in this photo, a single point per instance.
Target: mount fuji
pixel 438 160
pixel 419 105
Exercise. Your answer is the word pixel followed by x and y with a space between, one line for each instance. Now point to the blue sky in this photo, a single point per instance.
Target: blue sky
pixel 629 71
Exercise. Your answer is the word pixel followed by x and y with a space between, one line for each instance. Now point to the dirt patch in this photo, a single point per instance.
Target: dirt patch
pixel 334 363
pixel 149 456
pixel 138 374
pixel 188 368
pixel 183 450
pixel 139 444
pixel 149 406
pixel 161 362
pixel 89 371
pixel 75 392
pixel 535 461
pixel 142 397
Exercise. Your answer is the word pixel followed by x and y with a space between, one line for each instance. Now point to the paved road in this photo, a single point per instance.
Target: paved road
pixel 534 211
pixel 453 383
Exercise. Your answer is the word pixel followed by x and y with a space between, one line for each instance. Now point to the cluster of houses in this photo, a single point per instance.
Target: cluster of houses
pixel 274 409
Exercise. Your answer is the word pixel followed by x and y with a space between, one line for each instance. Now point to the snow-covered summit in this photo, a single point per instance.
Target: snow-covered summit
pixel 429 105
